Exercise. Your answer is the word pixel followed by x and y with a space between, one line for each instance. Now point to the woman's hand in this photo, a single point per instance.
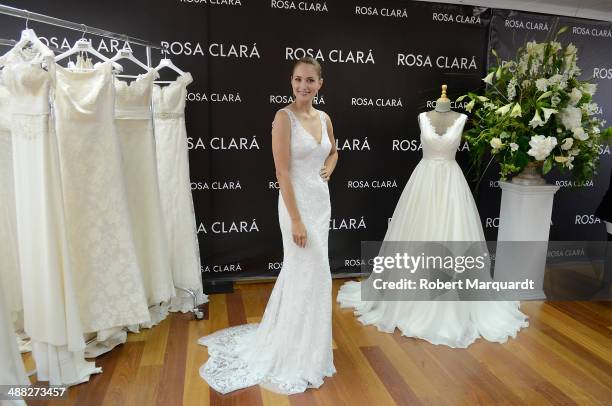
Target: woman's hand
pixel 299 233
pixel 325 173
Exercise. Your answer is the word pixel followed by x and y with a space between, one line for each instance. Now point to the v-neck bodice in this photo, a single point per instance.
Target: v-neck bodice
pixel 444 146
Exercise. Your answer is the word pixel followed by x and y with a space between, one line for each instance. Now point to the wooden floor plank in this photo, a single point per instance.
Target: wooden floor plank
pixel 123 379
pixel 398 389
pixel 155 345
pixel 172 380
pixel 196 391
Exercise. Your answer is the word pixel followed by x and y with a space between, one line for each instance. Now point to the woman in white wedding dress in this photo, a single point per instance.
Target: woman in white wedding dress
pixel 437 205
pixel 291 349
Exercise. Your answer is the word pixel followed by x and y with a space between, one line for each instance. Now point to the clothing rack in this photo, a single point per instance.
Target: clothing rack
pixel 28 15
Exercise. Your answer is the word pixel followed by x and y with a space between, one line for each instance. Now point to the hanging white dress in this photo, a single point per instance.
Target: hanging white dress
pixel 103 257
pixel 437 205
pixel 134 123
pixel 9 270
pixel 51 312
pixel 175 191
pixel 291 349
pixel 12 371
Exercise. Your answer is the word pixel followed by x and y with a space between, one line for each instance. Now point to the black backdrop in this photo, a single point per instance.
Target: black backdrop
pixel 383 61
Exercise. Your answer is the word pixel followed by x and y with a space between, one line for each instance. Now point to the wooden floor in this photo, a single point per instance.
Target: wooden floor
pixel 564 357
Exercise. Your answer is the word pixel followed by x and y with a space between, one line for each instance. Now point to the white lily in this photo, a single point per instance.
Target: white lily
pixel 544 95
pixel 469 106
pixel 514 146
pixel 516 111
pixel 547 113
pixel 536 121
pixel 489 78
pixel 504 109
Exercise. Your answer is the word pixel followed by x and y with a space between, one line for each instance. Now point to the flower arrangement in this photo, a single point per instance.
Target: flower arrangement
pixel 535 109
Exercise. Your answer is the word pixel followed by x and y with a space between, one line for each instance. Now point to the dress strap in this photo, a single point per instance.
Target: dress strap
pixel 292 117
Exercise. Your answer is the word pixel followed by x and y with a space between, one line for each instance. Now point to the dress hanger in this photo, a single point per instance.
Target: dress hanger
pixel 28 37
pixel 84 45
pixel 126 53
pixel 167 63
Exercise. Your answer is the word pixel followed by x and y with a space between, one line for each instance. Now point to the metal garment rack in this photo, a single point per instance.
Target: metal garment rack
pixel 28 15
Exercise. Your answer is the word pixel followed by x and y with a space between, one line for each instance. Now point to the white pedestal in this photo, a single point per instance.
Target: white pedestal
pixel 525 215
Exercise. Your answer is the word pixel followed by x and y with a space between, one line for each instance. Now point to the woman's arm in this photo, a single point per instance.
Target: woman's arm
pixel 281 150
pixel 332 158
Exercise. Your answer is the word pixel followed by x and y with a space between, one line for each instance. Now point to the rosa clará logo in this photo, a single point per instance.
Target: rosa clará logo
pixel 332 55
pixel 378 102
pixel 593 32
pixel 221 143
pixel 383 11
pixel 220 268
pixel 222 50
pixel 347 224
pixel 285 99
pixel 455 18
pixel 214 97
pixel 352 144
pixel 372 184
pixel 229 227
pixel 319 7
pixel 526 25
pixel 440 62
pixel 416 145
pixel 217 185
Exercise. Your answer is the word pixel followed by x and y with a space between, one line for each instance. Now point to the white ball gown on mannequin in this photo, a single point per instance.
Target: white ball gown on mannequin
pixel 437 205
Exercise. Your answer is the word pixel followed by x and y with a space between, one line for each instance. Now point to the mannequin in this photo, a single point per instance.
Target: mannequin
pixel 442 117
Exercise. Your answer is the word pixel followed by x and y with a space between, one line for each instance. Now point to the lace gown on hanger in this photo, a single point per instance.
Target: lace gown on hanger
pixel 291 349
pixel 175 190
pixel 51 313
pixel 134 123
pixel 437 205
pixel 107 277
pixel 9 273
pixel 12 371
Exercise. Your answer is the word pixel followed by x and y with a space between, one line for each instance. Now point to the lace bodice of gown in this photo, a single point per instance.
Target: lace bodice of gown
pixel 170 100
pixel 133 100
pixel 440 146
pixel 29 84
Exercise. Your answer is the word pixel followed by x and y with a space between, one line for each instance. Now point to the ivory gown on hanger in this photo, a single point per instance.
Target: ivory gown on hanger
pixel 51 312
pixel 437 205
pixel 134 123
pixel 107 276
pixel 291 349
pixel 9 273
pixel 175 190
pixel 12 371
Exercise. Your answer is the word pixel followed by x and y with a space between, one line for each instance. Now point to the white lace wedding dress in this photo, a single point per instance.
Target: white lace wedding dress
pixel 175 191
pixel 291 349
pixel 9 273
pixel 134 124
pixel 437 205
pixel 103 257
pixel 51 313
